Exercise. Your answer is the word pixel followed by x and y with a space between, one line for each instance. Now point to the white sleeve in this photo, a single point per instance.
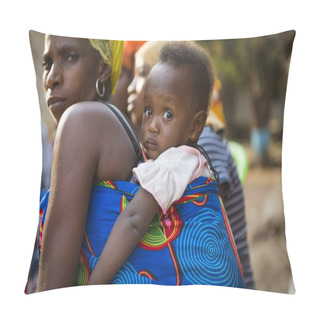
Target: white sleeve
pixel 167 177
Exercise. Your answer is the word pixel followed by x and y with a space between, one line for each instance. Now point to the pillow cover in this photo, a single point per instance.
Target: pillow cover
pixel 248 100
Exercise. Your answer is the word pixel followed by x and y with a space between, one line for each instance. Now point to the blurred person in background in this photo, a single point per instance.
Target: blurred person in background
pixel 120 97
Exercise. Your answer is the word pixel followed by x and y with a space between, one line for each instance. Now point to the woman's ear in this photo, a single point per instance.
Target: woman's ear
pixel 198 123
pixel 105 72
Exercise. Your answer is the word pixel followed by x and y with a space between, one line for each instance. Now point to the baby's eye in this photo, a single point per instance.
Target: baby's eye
pixel 168 115
pixel 147 112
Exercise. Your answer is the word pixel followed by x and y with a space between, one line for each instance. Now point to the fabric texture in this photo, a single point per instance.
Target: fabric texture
pixel 222 161
pixel 167 176
pixel 191 244
pixel 111 51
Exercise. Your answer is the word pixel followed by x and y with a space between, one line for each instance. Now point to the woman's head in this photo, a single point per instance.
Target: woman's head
pixel 175 103
pixel 111 52
pixel 77 69
pixel 145 58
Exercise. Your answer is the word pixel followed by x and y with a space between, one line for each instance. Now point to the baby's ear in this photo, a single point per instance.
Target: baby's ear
pixel 199 121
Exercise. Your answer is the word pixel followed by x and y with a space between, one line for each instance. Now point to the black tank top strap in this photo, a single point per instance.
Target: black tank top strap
pixel 128 128
pixel 201 149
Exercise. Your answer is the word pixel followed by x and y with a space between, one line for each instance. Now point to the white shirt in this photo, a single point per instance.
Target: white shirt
pixel 167 177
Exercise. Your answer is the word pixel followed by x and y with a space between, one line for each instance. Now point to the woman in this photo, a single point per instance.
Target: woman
pixel 93 146
pixel 94 153
pixel 93 143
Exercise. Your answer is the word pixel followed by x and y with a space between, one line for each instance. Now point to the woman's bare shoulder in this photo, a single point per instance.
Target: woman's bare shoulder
pixel 90 130
pixel 86 112
pixel 90 118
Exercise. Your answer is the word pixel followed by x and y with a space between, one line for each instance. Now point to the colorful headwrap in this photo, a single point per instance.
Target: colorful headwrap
pixel 129 50
pixel 111 51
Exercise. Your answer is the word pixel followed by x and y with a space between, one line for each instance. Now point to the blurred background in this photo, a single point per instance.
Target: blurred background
pixel 251 87
pixel 253 77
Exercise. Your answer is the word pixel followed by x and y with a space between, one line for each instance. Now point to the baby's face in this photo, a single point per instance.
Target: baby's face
pixel 168 111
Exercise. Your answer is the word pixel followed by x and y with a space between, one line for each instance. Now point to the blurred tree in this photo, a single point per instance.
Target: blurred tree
pixel 255 67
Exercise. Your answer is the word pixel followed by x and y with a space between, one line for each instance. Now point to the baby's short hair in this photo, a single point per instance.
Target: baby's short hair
pixel 189 54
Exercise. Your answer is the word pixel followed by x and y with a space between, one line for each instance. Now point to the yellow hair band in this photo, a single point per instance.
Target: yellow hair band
pixel 111 51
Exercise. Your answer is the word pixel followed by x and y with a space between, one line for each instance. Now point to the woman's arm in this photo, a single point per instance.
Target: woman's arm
pixel 129 228
pixel 77 154
pixel 73 170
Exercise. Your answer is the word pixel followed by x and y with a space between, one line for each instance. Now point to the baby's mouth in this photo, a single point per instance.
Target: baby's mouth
pixel 151 144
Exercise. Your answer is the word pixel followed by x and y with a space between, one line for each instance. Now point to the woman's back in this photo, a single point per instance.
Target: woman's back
pixel 92 137
pixel 190 244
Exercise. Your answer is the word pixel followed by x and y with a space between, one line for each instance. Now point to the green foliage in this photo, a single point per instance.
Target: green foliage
pixel 233 60
pixel 254 68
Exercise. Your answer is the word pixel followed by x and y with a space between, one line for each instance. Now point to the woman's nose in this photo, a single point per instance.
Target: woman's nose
pixel 53 76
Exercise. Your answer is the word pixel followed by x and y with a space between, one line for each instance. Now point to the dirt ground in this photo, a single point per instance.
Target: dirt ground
pixel 266 229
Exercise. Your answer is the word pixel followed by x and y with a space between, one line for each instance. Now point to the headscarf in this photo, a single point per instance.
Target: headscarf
pixel 111 51
pixel 129 50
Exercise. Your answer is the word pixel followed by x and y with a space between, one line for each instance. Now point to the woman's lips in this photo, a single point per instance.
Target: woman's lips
pixel 54 102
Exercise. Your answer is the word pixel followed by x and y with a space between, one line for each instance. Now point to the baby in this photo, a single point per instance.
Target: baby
pixel 177 177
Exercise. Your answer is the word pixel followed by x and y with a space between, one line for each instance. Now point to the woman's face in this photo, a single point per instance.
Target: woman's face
pixel 136 91
pixel 71 68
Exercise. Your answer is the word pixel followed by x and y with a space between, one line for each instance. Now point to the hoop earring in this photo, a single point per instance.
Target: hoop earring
pixel 103 89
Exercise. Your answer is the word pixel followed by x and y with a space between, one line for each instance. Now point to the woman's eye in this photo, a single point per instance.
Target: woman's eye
pixel 147 112
pixel 72 57
pixel 141 73
pixel 46 64
pixel 168 115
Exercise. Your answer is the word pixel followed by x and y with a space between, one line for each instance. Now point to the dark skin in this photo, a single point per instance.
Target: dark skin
pixel 168 113
pixel 70 69
pixel 90 146
pixel 170 116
